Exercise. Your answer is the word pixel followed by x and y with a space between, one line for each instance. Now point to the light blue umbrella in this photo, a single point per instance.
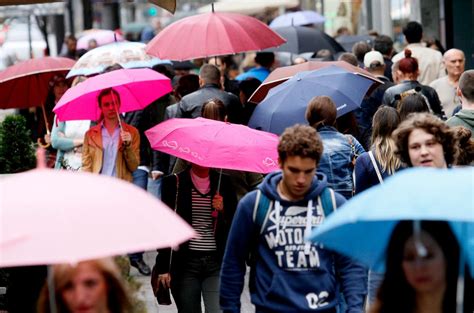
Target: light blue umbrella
pixel 362 227
pixel 298 18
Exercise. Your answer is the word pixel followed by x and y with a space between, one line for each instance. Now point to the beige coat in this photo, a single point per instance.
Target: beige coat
pixel 430 62
pixel 128 157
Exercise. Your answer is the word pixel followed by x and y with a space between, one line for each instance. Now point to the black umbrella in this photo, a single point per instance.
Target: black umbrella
pixel 347 41
pixel 305 39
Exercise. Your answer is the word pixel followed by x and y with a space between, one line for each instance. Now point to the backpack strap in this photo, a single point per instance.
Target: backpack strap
pixel 327 199
pixel 261 208
pixel 374 164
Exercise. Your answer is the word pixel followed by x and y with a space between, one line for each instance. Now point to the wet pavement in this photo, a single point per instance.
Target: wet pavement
pixel 146 293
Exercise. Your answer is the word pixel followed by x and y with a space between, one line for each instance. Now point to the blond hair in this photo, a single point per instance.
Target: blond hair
pixel 117 293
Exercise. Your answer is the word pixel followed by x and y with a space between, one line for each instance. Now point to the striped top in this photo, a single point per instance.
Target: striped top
pixel 202 222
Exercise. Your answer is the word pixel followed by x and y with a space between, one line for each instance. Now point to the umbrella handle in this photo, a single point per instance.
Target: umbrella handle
pixel 116 110
pixel 45 145
pixel 219 182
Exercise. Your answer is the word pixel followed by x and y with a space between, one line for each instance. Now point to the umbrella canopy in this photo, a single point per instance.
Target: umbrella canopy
pixel 347 41
pixel 301 39
pixel 90 217
pixel 298 18
pixel 282 74
pixel 368 219
pixel 212 34
pixel 249 7
pixel 169 5
pixel 127 54
pixel 137 89
pixel 25 84
pixel 286 104
pixel 216 144
pixel 102 36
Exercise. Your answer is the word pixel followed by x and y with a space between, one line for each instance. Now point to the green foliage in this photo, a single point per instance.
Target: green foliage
pixel 17 153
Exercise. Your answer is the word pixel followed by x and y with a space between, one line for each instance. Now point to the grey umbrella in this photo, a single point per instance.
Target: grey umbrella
pixel 305 39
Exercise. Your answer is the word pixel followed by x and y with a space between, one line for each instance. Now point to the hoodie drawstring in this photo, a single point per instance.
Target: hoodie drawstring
pixel 307 231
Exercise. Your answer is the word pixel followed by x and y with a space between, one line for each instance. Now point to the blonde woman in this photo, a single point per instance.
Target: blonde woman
pixel 89 286
pixel 373 167
pixel 381 161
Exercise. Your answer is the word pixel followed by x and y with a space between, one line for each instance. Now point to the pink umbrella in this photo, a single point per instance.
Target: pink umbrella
pixel 102 36
pixel 90 216
pixel 212 34
pixel 216 144
pixel 137 89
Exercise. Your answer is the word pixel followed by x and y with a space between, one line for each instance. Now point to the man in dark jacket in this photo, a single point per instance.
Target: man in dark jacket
pixel 374 63
pixel 289 274
pixel 210 88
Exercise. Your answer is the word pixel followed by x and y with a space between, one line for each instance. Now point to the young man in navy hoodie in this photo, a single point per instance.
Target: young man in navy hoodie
pixel 289 274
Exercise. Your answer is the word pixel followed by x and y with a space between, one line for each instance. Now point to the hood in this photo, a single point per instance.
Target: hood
pixel 467 116
pixel 270 183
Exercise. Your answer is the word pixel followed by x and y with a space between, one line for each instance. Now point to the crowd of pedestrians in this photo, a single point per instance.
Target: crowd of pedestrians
pixel 421 115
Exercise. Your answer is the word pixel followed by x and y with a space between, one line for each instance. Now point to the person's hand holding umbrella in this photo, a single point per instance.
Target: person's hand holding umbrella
pixel 126 138
pixel 218 203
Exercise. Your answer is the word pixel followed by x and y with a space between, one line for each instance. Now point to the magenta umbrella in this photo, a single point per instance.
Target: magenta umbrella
pixel 216 144
pixel 137 88
pixel 90 216
pixel 212 34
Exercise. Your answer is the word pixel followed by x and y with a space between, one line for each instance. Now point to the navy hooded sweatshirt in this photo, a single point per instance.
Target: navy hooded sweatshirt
pixel 288 274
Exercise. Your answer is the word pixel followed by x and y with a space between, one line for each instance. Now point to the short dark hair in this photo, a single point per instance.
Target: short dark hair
pixel 248 86
pixel 70 37
pixel 210 74
pixel 412 103
pixel 300 140
pixel 430 124
pixel 265 59
pixel 466 85
pixel 187 84
pixel 413 32
pixel 106 92
pixel 164 69
pixel 321 111
pixel 360 49
pixel 349 58
pixel 383 44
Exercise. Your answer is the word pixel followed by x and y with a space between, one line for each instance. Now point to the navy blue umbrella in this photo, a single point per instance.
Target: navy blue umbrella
pixel 285 105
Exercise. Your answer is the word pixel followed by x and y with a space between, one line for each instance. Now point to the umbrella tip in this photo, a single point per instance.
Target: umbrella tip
pixel 212 6
pixel 40 158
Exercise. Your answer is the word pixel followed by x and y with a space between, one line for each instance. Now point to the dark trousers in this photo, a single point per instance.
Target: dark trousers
pixel 198 275
pixel 140 179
